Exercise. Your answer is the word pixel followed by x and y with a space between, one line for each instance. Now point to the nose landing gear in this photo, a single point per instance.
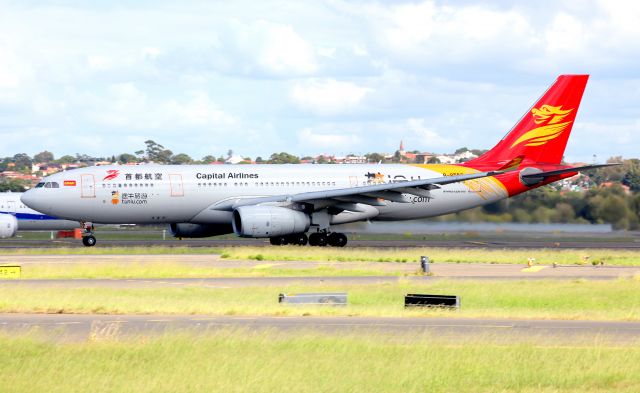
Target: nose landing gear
pixel 87 236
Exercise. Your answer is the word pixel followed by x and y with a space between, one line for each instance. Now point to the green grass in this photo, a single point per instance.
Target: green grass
pixel 439 255
pixel 228 361
pixel 596 300
pixel 330 254
pixel 119 270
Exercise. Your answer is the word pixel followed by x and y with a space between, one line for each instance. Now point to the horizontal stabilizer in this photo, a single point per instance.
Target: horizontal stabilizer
pixel 531 176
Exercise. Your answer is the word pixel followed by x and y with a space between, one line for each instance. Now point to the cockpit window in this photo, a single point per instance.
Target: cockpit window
pixel 40 185
pixel 54 184
pixel 47 185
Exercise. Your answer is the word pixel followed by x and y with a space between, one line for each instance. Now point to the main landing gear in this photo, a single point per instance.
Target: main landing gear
pixel 319 239
pixel 87 236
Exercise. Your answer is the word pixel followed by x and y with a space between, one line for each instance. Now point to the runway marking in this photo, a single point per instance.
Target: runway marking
pixel 68 323
pixel 533 269
pixel 160 320
pixel 266 265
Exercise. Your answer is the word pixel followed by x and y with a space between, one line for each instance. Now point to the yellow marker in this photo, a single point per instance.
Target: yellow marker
pixel 10 272
pixel 533 269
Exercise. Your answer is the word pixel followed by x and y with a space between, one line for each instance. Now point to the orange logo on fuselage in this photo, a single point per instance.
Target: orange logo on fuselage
pixel 115 197
pixel 551 118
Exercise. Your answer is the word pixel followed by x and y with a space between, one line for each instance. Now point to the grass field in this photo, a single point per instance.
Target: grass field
pixel 267 362
pixel 439 255
pixel 330 254
pixel 596 300
pixel 182 270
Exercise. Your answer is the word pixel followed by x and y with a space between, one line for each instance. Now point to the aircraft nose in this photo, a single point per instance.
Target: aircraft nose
pixel 33 200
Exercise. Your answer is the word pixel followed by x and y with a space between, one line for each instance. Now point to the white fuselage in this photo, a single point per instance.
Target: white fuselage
pixel 29 219
pixel 147 194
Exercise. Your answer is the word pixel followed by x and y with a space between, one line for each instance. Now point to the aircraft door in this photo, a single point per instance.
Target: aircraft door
pixel 177 188
pixel 87 186
pixel 11 207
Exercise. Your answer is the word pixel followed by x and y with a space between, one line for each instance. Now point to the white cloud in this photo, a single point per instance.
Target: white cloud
pixel 265 47
pixel 427 135
pixel 127 106
pixel 327 97
pixel 316 141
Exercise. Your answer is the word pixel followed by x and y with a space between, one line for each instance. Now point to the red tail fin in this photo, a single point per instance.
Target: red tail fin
pixel 541 134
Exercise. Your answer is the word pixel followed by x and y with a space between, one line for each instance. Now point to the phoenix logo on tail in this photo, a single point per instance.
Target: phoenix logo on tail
pixel 550 116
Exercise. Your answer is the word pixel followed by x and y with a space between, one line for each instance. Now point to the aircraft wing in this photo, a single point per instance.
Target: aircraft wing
pixel 370 194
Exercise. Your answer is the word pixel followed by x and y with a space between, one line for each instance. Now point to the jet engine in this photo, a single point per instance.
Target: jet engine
pixel 188 230
pixel 269 221
pixel 8 226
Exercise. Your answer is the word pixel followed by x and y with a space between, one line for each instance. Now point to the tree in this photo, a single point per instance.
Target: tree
pixel 433 160
pixel 259 160
pixel 229 153
pixel 66 159
pixel 208 159
pixel 374 157
pixel 461 150
pixel 126 158
pixel 22 161
pixel 283 158
pixel 157 153
pixel 181 159
pixel 13 185
pixel 45 156
pixel 632 180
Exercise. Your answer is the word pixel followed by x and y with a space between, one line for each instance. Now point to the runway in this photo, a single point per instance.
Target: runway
pixel 493 242
pixel 82 327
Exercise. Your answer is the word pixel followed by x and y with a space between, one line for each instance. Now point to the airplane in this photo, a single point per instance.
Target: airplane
pixel 285 202
pixel 14 216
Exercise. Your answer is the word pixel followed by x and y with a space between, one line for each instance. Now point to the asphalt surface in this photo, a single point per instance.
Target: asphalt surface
pixel 96 327
pixel 594 242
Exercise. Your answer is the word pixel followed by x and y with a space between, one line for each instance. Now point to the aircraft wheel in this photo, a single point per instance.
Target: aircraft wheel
pixel 278 241
pixel 89 241
pixel 318 239
pixel 337 239
pixel 299 239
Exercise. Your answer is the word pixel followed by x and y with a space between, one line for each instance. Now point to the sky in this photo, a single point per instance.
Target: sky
pixel 309 77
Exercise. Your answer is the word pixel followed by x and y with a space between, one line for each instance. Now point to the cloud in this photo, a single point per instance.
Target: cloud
pixel 328 97
pixel 429 136
pixel 125 105
pixel 317 141
pixel 263 48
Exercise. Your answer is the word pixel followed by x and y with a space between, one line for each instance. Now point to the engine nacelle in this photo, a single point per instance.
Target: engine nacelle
pixel 8 226
pixel 199 230
pixel 269 221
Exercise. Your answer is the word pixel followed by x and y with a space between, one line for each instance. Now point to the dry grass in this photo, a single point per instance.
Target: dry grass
pixel 239 361
pixel 596 300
